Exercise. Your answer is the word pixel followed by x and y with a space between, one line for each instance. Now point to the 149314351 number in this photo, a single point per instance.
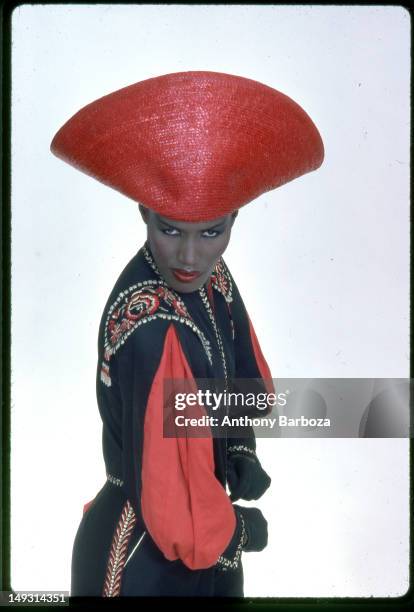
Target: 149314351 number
pixel 20 597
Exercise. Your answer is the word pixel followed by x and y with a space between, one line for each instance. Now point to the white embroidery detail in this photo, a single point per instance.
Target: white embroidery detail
pixel 115 481
pixel 224 563
pixel 240 448
pixel 117 553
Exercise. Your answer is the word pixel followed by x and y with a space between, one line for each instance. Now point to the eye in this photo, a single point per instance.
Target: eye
pixel 170 231
pixel 210 233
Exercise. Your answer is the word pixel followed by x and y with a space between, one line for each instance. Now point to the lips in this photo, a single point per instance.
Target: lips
pixel 185 277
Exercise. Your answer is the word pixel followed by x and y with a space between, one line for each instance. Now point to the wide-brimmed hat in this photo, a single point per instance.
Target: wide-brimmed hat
pixel 192 146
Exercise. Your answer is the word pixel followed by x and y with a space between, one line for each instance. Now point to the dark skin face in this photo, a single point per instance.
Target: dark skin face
pixel 186 253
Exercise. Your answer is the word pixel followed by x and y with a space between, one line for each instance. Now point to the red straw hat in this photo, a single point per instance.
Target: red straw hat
pixel 192 146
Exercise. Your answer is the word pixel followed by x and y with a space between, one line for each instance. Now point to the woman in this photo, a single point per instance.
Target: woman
pixel 191 148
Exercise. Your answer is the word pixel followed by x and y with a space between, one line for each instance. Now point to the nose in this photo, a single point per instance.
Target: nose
pixel 187 252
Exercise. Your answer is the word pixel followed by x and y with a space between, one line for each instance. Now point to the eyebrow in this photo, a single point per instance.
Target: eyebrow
pixel 206 229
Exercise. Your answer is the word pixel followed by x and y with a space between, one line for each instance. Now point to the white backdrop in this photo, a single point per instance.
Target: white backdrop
pixel 322 264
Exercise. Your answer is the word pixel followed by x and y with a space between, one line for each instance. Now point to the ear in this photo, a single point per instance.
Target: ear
pixel 144 213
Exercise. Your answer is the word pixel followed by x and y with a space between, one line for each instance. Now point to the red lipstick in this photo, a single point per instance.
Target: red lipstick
pixel 185 277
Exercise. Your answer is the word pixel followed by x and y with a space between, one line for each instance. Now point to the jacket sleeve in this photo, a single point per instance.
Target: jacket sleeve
pixel 250 365
pixel 184 507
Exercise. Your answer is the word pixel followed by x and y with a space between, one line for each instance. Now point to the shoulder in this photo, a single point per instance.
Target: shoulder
pixel 140 316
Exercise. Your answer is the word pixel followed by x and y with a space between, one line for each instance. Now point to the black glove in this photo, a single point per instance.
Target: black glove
pixel 255 526
pixel 246 477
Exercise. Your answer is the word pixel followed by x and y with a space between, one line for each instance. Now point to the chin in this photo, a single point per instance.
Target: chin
pixel 190 288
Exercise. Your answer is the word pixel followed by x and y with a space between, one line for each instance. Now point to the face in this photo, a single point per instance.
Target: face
pixel 186 253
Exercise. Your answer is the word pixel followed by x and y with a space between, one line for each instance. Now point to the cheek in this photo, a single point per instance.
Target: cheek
pixel 160 246
pixel 216 247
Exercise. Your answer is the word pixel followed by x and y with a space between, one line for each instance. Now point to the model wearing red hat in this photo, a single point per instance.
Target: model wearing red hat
pixel 191 148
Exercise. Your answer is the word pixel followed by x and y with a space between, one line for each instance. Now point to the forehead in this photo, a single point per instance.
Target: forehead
pixel 184 225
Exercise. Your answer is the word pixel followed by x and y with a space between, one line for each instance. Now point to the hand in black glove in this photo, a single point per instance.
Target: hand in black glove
pixel 255 526
pixel 246 477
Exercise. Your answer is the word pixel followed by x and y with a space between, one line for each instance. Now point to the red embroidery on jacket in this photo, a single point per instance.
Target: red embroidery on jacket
pixel 142 303
pixel 221 280
pixel 137 305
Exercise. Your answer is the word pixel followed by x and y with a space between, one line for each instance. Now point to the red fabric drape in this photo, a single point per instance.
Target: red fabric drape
pixel 261 361
pixel 185 508
pixel 87 506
